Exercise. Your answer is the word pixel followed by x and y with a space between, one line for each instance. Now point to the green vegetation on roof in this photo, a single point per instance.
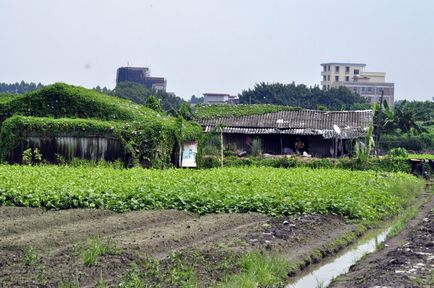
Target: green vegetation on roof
pixel 61 100
pixel 227 110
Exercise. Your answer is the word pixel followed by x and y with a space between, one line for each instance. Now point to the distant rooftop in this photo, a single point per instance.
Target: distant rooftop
pixel 216 94
pixel 343 64
pixel 134 68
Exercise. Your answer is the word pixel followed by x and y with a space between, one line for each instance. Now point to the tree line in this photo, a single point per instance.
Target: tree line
pixel 303 96
pixel 19 88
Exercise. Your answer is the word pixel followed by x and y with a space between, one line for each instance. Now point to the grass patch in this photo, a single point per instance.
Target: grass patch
pixel 171 272
pixel 97 248
pixel 259 270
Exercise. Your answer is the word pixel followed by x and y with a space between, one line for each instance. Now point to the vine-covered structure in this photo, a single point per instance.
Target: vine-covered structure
pixel 65 121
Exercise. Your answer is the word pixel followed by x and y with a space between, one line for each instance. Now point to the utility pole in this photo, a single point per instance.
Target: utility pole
pixel 379 118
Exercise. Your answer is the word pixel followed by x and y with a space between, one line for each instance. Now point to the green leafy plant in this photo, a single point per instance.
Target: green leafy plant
pixel 30 256
pixel 27 156
pixel 256 148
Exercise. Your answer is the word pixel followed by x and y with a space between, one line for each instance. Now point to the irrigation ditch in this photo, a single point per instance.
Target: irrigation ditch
pixel 399 253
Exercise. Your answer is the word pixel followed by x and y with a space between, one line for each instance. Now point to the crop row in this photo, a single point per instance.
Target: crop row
pixel 355 194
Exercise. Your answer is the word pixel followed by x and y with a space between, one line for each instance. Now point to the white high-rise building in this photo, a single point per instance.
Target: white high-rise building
pixel 354 77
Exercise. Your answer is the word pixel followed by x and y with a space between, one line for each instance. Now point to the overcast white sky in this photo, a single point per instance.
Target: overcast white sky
pixel 216 45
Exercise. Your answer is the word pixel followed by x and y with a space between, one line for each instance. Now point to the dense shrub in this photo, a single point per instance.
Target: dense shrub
pixel 398 152
pixel 385 164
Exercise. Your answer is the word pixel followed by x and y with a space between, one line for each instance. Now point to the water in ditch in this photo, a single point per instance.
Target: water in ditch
pixel 320 275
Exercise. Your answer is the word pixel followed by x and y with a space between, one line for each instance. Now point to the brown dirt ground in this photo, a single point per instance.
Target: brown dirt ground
pixel 407 260
pixel 60 237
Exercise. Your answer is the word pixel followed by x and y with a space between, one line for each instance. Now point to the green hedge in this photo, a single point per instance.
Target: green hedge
pixel 378 164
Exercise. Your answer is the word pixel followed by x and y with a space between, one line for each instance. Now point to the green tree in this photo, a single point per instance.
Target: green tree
pixel 153 103
pixel 402 119
pixel 185 111
pixel 139 94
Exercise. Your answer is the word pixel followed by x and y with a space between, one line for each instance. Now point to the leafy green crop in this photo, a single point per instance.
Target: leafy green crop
pixel 356 194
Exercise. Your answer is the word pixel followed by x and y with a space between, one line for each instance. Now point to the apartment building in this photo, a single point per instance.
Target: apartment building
pixel 354 77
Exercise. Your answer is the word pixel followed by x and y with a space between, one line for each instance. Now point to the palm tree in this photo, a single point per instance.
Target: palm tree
pixel 403 118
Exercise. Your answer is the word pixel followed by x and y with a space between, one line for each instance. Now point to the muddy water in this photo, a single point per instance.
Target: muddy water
pixel 321 275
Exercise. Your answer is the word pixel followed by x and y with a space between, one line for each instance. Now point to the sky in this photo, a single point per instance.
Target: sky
pixel 221 46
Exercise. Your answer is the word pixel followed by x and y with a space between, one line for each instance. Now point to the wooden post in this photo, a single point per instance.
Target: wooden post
pixel 377 145
pixel 221 145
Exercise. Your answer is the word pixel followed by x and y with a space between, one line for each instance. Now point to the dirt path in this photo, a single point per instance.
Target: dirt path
pixel 406 260
pixel 45 249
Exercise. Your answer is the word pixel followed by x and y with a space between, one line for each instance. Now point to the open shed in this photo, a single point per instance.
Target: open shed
pixel 280 131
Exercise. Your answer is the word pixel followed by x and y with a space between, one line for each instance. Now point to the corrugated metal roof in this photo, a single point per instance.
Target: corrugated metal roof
pixel 353 124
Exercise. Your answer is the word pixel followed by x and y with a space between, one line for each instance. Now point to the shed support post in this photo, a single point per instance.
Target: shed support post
pixel 281 145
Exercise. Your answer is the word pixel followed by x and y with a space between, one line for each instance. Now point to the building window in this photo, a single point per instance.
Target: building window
pixel 328 77
pixel 328 67
pixel 363 89
pixel 324 78
pixel 369 89
pixel 347 78
pixel 356 71
pixel 347 69
pixel 355 89
pixel 337 78
pixel 325 68
pixel 328 86
pixel 337 69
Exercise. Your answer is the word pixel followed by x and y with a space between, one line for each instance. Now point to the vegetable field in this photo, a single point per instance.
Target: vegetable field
pixel 355 194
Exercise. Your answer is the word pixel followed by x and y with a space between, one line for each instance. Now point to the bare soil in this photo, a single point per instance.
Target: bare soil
pixel 45 248
pixel 407 260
